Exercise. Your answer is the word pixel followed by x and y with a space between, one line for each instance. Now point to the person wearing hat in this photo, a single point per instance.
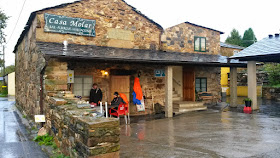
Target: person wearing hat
pixel 117 100
pixel 95 95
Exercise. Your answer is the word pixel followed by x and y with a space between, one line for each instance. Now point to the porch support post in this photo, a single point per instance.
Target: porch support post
pixel 233 87
pixel 252 83
pixel 168 91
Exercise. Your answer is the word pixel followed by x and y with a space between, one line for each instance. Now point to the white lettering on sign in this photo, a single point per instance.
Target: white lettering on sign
pixel 58 22
pixel 80 24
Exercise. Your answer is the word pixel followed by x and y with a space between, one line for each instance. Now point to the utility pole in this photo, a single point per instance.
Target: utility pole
pixel 3 66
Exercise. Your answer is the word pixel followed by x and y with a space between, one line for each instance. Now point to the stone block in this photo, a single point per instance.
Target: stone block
pixel 93 141
pixel 108 155
pixel 120 34
pixel 120 43
pixel 57 101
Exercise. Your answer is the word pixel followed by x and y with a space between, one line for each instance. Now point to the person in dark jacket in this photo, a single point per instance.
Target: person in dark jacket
pixel 117 100
pixel 95 95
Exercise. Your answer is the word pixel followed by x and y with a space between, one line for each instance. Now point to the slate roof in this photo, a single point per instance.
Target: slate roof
pixel 204 27
pixel 263 48
pixel 226 45
pixel 33 15
pixel 76 51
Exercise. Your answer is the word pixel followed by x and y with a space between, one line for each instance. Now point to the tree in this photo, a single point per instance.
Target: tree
pixel 3 25
pixel 234 38
pixel 8 69
pixel 249 38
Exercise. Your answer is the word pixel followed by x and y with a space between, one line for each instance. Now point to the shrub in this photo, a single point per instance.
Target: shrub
pixel 44 140
pixel 273 71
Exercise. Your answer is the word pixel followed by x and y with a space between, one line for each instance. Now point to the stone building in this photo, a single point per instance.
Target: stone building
pixel 64 49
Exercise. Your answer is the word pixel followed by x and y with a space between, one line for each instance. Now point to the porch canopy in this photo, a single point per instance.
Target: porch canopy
pixel 92 52
pixel 101 53
pixel 265 50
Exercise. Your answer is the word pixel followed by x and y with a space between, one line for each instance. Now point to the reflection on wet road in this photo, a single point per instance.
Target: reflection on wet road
pixel 206 134
pixel 14 141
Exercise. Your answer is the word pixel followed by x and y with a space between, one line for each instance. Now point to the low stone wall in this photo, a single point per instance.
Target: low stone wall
pixel 271 93
pixel 79 134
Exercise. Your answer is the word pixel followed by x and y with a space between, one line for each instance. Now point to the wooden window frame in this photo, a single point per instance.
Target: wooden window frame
pixel 195 37
pixel 200 82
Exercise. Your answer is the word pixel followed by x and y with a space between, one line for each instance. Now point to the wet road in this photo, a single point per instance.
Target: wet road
pixel 209 133
pixel 14 142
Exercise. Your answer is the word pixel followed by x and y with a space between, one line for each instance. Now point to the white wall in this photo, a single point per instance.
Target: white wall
pixel 178 76
pixel 11 83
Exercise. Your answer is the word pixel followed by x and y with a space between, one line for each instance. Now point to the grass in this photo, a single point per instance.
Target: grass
pixel 3 95
pixel 62 156
pixel 44 140
pixel 47 140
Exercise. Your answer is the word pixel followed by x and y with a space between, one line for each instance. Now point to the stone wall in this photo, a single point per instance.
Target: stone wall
pixel 180 38
pixel 29 64
pixel 271 93
pixel 117 25
pixel 228 51
pixel 213 78
pixel 80 135
pixel 55 78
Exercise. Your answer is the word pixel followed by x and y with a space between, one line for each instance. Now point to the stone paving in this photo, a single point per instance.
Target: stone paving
pixel 14 142
pixel 209 133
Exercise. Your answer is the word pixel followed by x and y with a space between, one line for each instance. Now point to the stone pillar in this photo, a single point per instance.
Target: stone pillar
pixel 252 83
pixel 168 91
pixel 233 87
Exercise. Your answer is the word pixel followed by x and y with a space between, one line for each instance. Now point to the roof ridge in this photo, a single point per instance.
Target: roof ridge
pixel 33 14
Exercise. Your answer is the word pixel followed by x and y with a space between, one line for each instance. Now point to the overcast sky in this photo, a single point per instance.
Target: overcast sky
pixel 222 15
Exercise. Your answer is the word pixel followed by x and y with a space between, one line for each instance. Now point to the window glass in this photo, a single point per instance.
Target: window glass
pixel 203 44
pixel 201 85
pixel 82 85
pixel 196 43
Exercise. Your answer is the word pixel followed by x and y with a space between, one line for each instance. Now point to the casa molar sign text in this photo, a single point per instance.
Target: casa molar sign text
pixel 64 24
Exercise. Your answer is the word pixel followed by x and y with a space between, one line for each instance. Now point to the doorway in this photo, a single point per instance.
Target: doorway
pixel 120 84
pixel 189 84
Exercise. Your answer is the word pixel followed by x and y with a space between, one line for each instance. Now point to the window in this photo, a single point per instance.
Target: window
pixel 82 85
pixel 201 84
pixel 199 44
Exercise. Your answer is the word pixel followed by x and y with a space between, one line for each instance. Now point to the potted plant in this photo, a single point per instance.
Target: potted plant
pixel 248 102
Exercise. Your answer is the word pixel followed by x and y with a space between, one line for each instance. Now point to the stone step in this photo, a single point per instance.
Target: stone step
pixel 180 111
pixel 176 99
pixel 184 104
pixel 176 95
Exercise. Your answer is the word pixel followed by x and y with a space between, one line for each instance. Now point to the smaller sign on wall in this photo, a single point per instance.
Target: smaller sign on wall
pixel 159 73
pixel 70 78
pixel 40 118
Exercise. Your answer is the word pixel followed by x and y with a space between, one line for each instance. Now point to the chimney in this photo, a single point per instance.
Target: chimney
pixel 270 36
pixel 277 35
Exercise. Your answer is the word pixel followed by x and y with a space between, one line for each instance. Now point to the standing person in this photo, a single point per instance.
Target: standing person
pixel 95 95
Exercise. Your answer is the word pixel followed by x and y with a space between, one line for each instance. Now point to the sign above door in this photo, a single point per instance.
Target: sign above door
pixel 64 24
